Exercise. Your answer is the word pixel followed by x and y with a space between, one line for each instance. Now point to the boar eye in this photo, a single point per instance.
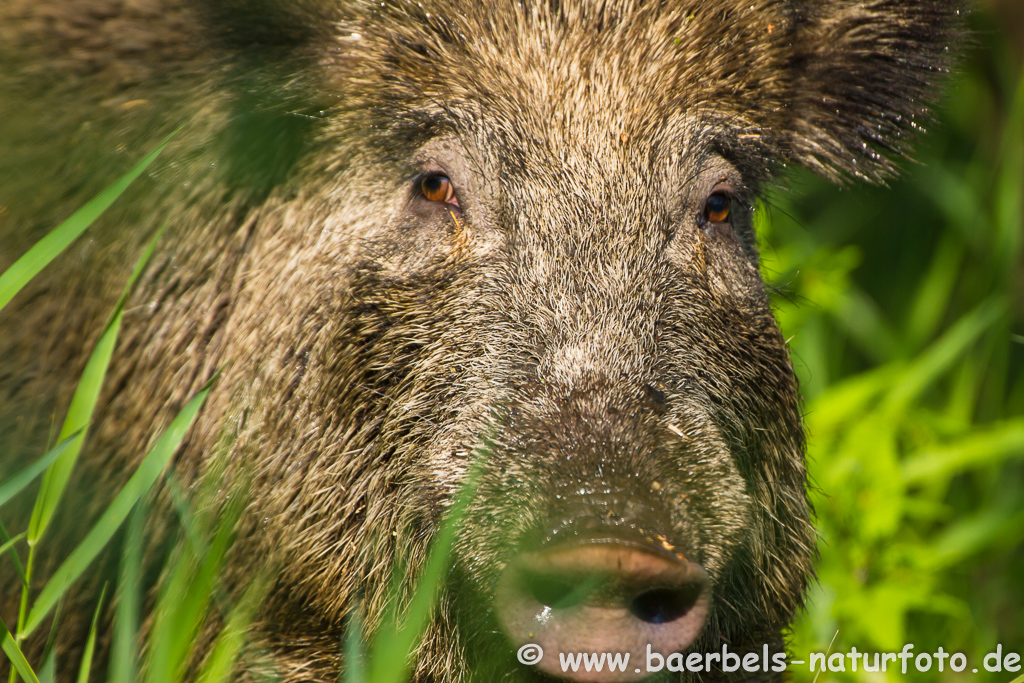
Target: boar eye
pixel 438 188
pixel 716 209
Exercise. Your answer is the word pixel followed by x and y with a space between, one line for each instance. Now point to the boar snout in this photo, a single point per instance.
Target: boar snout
pixel 607 554
pixel 603 596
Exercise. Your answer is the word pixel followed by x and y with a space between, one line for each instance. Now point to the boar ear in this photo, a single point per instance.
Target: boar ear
pixel 862 76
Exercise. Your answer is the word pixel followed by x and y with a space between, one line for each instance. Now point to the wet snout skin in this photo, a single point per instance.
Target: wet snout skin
pixel 602 596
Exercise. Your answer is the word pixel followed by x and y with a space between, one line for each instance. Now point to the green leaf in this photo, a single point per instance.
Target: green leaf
pixel 941 355
pixel 394 642
pixel 1009 199
pixel 125 647
pixel 48 248
pixel 83 403
pixel 189 525
pixel 79 415
pixel 13 486
pixel 848 400
pixel 970 536
pixel 185 598
pixel 860 317
pixel 354 647
pixel 9 549
pixel 10 544
pixel 934 293
pixel 100 534
pixel 979 448
pixel 220 663
pixel 15 655
pixel 48 671
pixel 90 644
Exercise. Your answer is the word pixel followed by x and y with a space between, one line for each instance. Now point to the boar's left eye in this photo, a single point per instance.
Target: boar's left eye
pixel 438 188
pixel 716 209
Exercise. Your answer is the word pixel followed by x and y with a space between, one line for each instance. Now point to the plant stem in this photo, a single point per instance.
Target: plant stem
pixel 23 607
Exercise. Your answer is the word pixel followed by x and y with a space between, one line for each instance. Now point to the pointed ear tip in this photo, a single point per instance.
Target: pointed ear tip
pixel 860 103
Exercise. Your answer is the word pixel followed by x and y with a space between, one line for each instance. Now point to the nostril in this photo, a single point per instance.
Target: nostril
pixel 664 605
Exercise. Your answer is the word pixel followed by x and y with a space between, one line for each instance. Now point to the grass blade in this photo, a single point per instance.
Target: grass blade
pixel 79 415
pixel 83 403
pixel 394 643
pixel 220 664
pixel 49 657
pixel 1009 199
pixel 9 549
pixel 944 353
pixel 10 544
pixel 978 449
pixel 13 486
pixel 124 650
pixel 933 294
pixel 15 655
pixel 100 534
pixel 186 595
pixel 90 643
pixel 973 535
pixel 48 671
pixel 48 248
pixel 354 645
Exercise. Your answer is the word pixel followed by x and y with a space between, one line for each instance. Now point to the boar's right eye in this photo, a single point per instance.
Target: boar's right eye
pixel 716 209
pixel 438 188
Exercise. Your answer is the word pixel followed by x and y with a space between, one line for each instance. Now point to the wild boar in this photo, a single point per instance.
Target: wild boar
pixel 408 230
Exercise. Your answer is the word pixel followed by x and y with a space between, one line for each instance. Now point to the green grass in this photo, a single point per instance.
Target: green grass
pixel 904 330
pixel 56 468
pixel 909 345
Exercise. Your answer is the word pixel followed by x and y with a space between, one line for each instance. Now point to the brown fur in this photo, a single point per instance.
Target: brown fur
pixel 576 309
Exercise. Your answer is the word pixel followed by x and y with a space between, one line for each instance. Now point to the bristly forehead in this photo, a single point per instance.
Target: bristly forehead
pixel 835 85
pixel 599 70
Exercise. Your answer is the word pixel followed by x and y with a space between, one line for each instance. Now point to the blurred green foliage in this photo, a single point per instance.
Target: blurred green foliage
pixel 904 312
